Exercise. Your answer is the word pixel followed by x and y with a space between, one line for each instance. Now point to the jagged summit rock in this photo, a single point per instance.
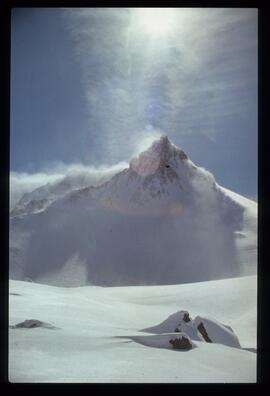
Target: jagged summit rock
pixel 161 154
pixel 165 148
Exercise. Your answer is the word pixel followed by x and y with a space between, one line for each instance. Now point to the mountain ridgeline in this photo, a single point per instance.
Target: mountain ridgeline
pixel 163 220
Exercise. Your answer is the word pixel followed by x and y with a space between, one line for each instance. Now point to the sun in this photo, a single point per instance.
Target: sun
pixel 155 21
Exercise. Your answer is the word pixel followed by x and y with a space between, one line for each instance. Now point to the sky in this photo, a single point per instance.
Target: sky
pixel 92 87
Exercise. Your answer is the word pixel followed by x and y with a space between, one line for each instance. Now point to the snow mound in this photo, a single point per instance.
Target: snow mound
pixel 217 332
pixel 200 329
pixel 168 341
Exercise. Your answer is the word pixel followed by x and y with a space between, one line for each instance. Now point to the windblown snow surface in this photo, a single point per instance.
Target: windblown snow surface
pixel 99 339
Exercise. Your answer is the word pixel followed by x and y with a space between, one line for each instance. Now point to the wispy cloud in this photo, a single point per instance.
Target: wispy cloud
pixel 22 183
pixel 204 70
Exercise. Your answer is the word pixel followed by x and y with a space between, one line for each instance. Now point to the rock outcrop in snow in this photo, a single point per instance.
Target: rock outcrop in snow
pixel 200 328
pixel 182 342
pixel 31 324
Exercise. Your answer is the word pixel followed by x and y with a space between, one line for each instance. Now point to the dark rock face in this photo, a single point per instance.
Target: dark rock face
pixel 203 332
pixel 183 343
pixel 32 323
pixel 186 317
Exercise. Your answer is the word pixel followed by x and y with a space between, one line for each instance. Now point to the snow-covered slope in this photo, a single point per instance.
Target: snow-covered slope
pixel 246 238
pixel 103 334
pixel 161 221
pixel 75 178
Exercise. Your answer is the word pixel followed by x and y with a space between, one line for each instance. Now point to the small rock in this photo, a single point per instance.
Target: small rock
pixel 32 323
pixel 183 342
pixel 203 332
pixel 184 315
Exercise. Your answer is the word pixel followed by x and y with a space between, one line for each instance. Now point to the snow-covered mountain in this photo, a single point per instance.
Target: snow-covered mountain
pixel 163 220
pixel 73 178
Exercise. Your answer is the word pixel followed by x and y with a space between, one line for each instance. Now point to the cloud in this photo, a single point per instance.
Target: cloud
pixel 148 136
pixel 76 174
pixel 203 71
pixel 21 183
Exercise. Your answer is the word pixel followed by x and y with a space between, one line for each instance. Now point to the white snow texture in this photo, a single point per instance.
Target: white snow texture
pixel 104 334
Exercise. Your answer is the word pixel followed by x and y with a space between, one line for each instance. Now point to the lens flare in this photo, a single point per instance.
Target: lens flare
pixel 155 21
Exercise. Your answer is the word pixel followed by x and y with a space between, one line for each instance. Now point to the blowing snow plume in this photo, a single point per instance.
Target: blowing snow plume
pixel 162 220
pixel 30 191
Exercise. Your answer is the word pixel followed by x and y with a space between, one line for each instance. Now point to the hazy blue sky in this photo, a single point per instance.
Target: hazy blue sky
pixel 94 86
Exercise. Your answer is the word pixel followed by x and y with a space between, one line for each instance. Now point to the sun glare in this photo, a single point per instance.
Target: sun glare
pixel 156 21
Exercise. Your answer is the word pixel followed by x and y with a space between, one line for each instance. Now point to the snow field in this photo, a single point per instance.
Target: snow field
pixel 100 338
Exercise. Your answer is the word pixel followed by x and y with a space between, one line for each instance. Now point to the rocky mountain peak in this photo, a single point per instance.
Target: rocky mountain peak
pixel 162 153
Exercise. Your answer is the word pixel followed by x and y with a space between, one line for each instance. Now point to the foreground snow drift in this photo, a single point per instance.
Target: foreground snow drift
pixel 97 327
pixel 201 329
pixel 164 341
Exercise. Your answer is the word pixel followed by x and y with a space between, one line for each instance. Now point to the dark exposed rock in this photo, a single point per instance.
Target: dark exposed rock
pixel 32 323
pixel 203 332
pixel 186 317
pixel 183 342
